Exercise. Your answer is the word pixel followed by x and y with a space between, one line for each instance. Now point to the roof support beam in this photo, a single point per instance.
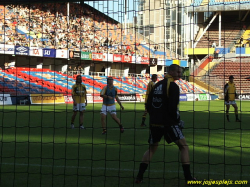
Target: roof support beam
pixel 205 30
pixel 244 18
pixel 219 29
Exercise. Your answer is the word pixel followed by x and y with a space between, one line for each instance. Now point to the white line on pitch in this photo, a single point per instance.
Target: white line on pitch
pixel 119 169
pixel 212 131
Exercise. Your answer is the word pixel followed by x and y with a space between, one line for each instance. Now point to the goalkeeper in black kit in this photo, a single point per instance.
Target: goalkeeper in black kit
pixel 163 108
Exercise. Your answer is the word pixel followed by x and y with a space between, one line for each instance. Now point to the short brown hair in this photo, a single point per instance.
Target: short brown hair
pixel 78 76
pixel 173 67
pixel 110 78
pixel 154 76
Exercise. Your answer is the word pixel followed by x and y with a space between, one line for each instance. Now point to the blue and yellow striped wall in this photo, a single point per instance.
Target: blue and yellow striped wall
pixel 199 51
pixel 182 63
pixel 243 51
pixel 206 51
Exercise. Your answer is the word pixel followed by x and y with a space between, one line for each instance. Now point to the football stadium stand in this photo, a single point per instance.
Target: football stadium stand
pixel 46 26
pixel 24 81
pixel 89 30
pixel 239 68
pixel 231 33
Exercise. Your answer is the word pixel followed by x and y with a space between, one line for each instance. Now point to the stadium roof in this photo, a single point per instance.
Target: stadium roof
pixel 6 2
pixel 220 7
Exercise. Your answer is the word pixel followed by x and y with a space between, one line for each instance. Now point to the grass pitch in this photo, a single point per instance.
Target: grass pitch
pixel 38 148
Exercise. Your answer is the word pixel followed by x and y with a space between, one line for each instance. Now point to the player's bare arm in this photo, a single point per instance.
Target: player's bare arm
pixel 119 102
pixel 74 101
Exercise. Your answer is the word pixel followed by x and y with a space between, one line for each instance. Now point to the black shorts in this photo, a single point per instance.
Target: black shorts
pixel 170 133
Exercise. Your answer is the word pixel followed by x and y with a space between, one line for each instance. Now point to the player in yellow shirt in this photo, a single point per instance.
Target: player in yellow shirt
pixel 79 101
pixel 230 96
pixel 149 88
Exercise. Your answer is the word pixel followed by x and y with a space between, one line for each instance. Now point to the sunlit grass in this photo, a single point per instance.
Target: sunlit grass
pixel 38 148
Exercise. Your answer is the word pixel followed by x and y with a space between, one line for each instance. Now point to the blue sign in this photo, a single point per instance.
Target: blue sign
pixel 21 50
pixel 49 53
pixel 168 62
pixel 221 50
pixel 240 50
pixel 183 63
pixel 183 97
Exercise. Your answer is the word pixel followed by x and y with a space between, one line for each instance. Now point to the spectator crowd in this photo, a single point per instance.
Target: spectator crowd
pixel 48 25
